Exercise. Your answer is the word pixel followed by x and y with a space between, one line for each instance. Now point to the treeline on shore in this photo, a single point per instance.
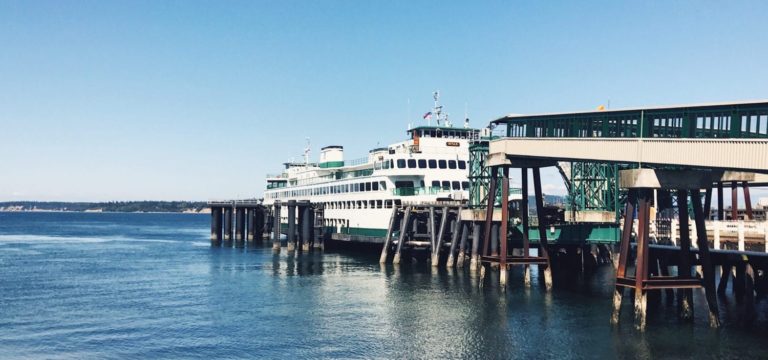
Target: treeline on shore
pixel 112 206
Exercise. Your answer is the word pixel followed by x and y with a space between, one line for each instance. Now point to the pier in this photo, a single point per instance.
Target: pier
pixel 640 186
pixel 235 221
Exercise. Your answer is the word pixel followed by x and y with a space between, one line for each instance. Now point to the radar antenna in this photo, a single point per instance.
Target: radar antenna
pixel 307 151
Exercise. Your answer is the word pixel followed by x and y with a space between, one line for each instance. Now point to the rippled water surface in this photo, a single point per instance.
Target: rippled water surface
pixel 76 285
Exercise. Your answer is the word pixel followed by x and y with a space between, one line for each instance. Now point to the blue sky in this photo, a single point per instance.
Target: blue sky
pixel 127 100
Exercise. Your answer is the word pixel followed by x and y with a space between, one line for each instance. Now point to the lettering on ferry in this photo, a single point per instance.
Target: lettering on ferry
pixel 452 143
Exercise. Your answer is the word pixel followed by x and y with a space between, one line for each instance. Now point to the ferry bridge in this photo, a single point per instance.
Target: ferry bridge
pixel 632 159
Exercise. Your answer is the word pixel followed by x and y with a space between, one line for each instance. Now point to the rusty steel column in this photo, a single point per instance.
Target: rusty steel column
pixel 684 296
pixel 526 225
pixel 747 201
pixel 543 244
pixel 706 262
pixel 489 212
pixel 495 238
pixel 734 201
pixel 720 202
pixel 503 230
pixel 707 202
pixel 641 267
pixel 626 238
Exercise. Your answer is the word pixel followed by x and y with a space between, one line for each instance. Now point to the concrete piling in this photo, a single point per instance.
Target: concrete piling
pixel 216 225
pixel 291 236
pixel 276 228
pixel 239 224
pixel 228 224
pixel 306 227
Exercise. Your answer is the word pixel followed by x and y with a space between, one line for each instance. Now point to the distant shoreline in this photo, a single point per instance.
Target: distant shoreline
pixel 204 212
pixel 152 207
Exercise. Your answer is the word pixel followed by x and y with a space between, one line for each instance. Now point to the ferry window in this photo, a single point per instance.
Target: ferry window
pixel 377 166
pixel 383 185
pixel 421 183
pixel 403 184
pixel 436 184
pixel 367 186
pixel 462 164
pixel 465 185
pixel 398 202
pixel 422 164
pixel 451 164
pixel 388 204
pixel 391 151
pixel 441 164
pixel 411 163
pixel 375 186
pixel 432 164
pixel 446 185
pixel 456 185
pixel 391 163
pixel 401 163
pixel 379 204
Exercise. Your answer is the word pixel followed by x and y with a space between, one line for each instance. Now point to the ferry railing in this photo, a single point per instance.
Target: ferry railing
pixel 354 162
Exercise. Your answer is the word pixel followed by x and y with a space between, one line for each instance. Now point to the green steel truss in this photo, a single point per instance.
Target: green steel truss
pixel 479 175
pixel 593 186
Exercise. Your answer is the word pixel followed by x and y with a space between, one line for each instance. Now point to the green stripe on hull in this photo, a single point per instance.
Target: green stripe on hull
pixel 364 231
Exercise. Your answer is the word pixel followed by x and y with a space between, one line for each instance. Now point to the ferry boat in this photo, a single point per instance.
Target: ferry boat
pixel 431 165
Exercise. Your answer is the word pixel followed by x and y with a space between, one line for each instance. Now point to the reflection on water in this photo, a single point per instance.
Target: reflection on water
pixel 68 292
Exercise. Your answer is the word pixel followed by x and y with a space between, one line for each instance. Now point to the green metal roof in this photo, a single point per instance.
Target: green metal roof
pixel 724 107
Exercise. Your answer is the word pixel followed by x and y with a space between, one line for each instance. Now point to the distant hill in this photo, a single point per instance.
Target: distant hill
pixel 549 200
pixel 112 206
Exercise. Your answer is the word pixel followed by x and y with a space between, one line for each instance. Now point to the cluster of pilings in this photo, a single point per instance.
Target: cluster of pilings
pixel 448 234
pixel 304 228
pixel 238 221
pixel 427 231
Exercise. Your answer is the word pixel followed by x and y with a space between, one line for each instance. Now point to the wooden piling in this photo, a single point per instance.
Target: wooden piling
pixel 401 240
pixel 462 257
pixel 455 236
pixel 440 235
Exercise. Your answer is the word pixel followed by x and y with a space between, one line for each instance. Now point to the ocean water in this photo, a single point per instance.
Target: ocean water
pixel 88 286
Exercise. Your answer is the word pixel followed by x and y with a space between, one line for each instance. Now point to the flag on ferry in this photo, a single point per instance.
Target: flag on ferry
pixel 427 115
